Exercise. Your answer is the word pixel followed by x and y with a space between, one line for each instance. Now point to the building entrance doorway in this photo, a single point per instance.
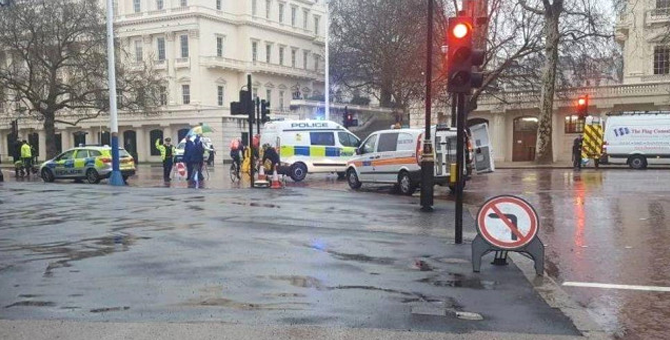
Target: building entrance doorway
pixel 525 139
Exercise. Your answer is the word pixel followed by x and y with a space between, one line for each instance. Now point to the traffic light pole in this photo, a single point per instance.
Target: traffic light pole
pixel 460 158
pixel 250 119
pixel 427 160
pixel 258 115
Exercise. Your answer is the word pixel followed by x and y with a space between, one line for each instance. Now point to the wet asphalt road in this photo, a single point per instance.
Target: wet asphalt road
pixel 296 256
pixel 608 226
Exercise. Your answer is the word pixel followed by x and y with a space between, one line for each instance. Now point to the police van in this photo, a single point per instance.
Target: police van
pixel 637 139
pixel 310 146
pixel 394 157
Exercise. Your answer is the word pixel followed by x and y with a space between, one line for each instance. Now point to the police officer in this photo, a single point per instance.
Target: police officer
pixel 269 153
pixel 167 151
pixel 26 156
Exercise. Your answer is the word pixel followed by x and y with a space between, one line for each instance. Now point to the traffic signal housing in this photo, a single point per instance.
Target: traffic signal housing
pixel 583 106
pixel 244 106
pixel 348 119
pixel 462 58
pixel 265 111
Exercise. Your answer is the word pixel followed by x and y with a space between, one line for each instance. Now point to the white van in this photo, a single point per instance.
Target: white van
pixel 393 157
pixel 310 146
pixel 637 139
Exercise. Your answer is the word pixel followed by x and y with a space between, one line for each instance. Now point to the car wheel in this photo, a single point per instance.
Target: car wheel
pixel 298 172
pixel 47 175
pixel 405 184
pixel 352 179
pixel 341 175
pixel 92 176
pixel 637 162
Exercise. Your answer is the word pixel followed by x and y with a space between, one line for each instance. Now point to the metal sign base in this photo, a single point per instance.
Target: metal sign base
pixel 535 249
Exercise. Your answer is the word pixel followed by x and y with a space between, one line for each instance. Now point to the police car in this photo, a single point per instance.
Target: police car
pixel 92 163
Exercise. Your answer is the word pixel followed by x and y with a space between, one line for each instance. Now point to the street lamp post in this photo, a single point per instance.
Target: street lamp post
pixel 327 55
pixel 116 178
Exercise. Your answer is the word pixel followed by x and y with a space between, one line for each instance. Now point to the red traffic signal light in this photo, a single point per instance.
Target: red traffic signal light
pixel 583 106
pixel 461 57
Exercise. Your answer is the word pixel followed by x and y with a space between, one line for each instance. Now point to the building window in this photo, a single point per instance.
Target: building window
pixel 316 62
pixel 268 53
pixel 218 5
pixel 186 94
pixel 662 60
pixel 281 100
pixel 153 135
pixel 219 95
pixel 254 7
pixel 183 40
pixel 293 58
pixel 305 18
pixel 254 51
pixel 160 43
pixel 268 95
pixel 663 4
pixel 305 55
pixel 184 3
pixel 573 124
pixel 136 6
pixel 159 4
pixel 219 46
pixel 281 56
pixel 281 13
pixel 163 95
pixel 294 15
pixel 268 7
pixel 316 24
pixel 138 51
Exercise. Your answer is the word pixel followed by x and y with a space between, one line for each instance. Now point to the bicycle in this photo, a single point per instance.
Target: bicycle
pixel 234 172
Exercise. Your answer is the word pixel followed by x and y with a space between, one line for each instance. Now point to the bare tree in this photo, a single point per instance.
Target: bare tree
pixel 568 24
pixel 53 62
pixel 378 47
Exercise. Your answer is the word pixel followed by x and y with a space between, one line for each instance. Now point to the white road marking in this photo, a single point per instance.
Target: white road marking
pixel 613 286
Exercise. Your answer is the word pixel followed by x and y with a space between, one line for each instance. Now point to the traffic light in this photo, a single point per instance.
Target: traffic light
pixel 243 106
pixel 461 57
pixel 583 106
pixel 348 119
pixel 265 111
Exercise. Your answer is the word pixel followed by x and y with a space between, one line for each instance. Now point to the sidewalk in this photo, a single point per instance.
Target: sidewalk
pixel 260 264
pixel 533 165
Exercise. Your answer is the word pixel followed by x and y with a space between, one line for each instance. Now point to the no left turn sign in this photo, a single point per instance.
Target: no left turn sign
pixel 507 222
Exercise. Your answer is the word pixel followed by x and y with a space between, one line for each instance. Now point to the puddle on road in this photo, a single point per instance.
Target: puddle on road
pixel 31 303
pixel 458 281
pixel 228 303
pixel 301 281
pixel 353 257
pixel 29 296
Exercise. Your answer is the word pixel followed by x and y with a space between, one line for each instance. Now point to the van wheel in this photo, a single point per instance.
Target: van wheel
pixel 92 176
pixel 298 172
pixel 352 179
pixel 405 184
pixel 637 162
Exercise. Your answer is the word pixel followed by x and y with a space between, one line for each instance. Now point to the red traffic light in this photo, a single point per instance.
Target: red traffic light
pixel 581 101
pixel 460 30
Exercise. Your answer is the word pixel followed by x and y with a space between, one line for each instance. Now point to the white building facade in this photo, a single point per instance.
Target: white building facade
pixel 205 49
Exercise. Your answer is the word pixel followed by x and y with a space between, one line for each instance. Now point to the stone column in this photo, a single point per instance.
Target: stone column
pixel 500 138
pixel 171 53
pixel 197 89
pixel 42 145
pixel 143 151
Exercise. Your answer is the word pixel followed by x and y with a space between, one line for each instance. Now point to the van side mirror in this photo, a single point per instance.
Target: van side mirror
pixel 358 151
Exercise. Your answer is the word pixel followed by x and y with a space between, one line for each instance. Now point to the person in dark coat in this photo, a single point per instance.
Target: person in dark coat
pixel 269 153
pixel 577 152
pixel 194 157
pixel 186 158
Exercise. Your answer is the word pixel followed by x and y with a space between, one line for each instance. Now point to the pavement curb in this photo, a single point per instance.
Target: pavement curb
pixel 556 297
pixel 74 330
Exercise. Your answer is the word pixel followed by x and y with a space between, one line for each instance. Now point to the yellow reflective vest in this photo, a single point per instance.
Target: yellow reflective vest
pixel 26 152
pixel 162 149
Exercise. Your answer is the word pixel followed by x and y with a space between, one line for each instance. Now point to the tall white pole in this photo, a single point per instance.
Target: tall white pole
pixel 116 178
pixel 327 80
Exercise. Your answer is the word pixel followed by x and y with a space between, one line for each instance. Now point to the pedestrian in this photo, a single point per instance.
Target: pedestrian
pixel 186 158
pixel 269 153
pixel 210 159
pixel 577 152
pixel 26 156
pixel 194 156
pixel 167 151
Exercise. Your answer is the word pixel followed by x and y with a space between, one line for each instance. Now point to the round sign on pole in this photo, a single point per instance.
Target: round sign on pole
pixel 507 222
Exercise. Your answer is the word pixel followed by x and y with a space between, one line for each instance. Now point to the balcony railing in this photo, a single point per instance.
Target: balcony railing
pixel 659 15
pixel 182 62
pixel 226 63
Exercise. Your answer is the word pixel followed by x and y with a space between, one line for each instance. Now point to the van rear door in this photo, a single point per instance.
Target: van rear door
pixel 483 150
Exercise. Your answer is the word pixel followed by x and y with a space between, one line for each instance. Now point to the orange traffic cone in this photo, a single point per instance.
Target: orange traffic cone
pixel 276 184
pixel 261 174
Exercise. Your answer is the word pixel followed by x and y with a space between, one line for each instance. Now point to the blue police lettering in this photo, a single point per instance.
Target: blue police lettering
pixel 309 125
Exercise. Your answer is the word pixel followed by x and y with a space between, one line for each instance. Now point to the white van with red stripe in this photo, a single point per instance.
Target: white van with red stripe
pixel 393 157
